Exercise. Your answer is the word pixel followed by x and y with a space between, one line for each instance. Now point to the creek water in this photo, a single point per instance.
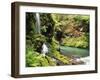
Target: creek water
pixel 65 50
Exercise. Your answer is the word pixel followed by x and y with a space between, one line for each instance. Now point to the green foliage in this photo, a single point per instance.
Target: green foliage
pixel 83 22
pixel 81 42
pixel 74 26
pixel 61 58
pixel 56 30
pixel 34 59
pixel 37 41
pixel 30 24
pixel 56 54
pixel 50 61
pixel 47 25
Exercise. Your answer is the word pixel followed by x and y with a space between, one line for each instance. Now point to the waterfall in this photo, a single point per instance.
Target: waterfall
pixel 37 23
pixel 44 49
pixel 44 46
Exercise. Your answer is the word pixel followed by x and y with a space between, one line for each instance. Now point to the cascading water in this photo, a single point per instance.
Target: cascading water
pixel 86 60
pixel 44 49
pixel 38 23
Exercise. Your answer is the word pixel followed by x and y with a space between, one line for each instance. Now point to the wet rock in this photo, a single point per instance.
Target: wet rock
pixel 75 60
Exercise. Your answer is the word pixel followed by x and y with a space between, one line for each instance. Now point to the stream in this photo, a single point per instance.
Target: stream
pixel 65 50
pixel 78 52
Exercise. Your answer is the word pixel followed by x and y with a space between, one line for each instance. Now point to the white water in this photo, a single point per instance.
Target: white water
pixel 38 23
pixel 44 49
pixel 86 60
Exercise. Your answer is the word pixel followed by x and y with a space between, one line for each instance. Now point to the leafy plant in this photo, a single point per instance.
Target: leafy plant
pixel 81 42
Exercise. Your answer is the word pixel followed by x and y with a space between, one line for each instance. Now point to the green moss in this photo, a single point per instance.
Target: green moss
pixel 62 58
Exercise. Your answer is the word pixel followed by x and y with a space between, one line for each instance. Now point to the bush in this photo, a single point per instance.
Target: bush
pixel 81 41
pixel 34 59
